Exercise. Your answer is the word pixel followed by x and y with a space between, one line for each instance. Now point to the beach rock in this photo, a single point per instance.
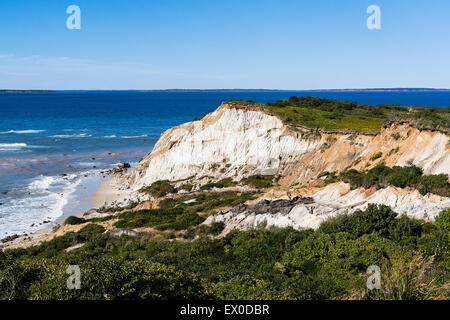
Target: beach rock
pixel 55 227
pixel 124 165
pixel 9 238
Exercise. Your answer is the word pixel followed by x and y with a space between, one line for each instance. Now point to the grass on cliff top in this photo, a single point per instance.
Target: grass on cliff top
pixel 336 115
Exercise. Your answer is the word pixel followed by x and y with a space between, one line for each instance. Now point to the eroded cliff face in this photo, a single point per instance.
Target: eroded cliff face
pixel 400 145
pixel 229 142
pixel 237 141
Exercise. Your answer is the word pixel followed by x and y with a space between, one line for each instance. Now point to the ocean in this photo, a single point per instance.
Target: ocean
pixel 56 146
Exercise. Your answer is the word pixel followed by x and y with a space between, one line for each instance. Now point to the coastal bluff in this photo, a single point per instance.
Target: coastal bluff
pixel 238 140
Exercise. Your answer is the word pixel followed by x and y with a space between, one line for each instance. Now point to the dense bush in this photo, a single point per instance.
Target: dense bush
pixel 279 263
pixel 382 176
pixel 74 220
pixel 216 228
pixel 375 219
pixel 443 219
pixel 259 181
pixel 159 188
pixel 224 183
pixel 110 277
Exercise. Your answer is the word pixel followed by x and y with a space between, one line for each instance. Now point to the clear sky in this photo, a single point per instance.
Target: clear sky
pixel 278 44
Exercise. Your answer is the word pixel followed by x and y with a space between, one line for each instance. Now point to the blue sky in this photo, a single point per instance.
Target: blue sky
pixel 279 44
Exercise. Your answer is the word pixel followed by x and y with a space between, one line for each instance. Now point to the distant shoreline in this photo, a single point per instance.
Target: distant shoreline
pixel 224 90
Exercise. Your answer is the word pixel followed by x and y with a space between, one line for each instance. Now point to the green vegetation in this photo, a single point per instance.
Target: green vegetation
pixel 382 176
pixel 259 181
pixel 159 188
pixel 443 220
pixel 224 183
pixel 330 177
pixel 329 263
pixel 216 228
pixel 161 219
pixel 186 186
pixel 176 214
pixel 336 115
pixel 74 220
pixel 376 156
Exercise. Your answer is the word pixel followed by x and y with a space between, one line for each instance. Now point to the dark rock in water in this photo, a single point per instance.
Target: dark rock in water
pixel 121 167
pixel 119 232
pixel 5 192
pixel 1 203
pixel 92 158
pixel 9 238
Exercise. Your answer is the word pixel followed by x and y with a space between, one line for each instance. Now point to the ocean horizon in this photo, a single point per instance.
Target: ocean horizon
pixel 55 147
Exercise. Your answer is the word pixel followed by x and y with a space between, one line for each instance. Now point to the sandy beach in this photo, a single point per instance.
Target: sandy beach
pixel 108 192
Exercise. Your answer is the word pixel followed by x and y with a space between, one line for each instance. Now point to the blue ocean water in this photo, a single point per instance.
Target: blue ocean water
pixel 51 143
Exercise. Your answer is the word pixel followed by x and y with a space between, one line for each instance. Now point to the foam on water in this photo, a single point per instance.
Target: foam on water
pixel 22 131
pixel 45 200
pixel 133 137
pixel 12 146
pixel 75 135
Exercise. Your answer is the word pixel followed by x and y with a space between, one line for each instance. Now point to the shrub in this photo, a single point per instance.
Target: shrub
pixel 331 178
pixel 159 188
pixel 259 181
pixel 216 228
pixel 435 184
pixel 74 220
pixel 91 229
pixel 167 203
pixel 376 218
pixel 161 219
pixel 186 186
pixel 443 220
pixel 224 183
pixel 405 227
pixel 404 176
pixel 242 288
pixel 182 222
pixel 376 156
pixel 381 176
pixel 110 277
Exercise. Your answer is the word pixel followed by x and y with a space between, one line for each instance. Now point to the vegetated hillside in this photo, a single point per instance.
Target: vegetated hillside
pixel 248 163
pixel 276 263
pixel 336 115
